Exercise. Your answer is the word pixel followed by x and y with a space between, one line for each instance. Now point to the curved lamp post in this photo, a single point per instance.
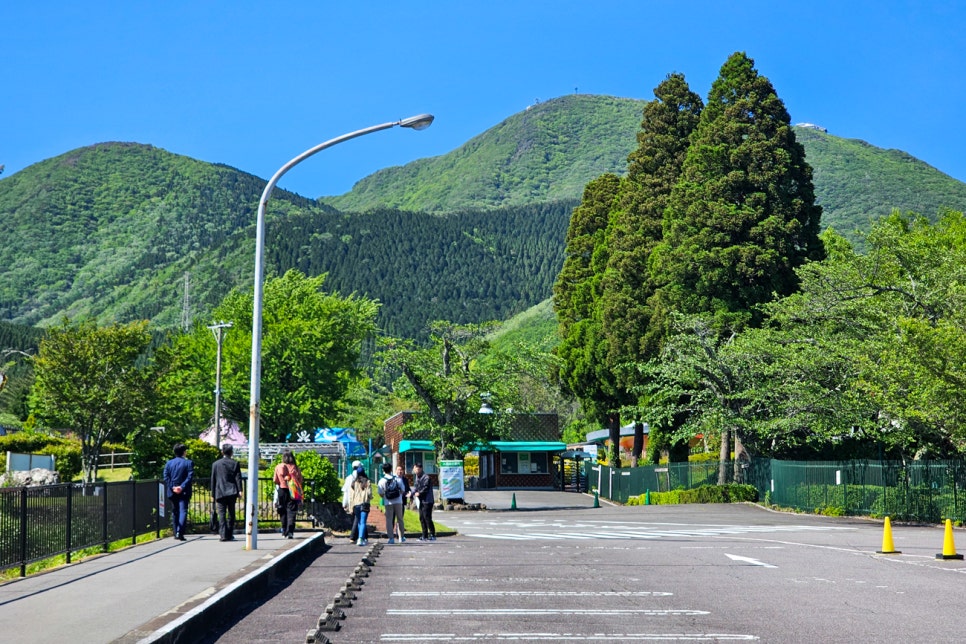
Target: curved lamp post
pixel 419 122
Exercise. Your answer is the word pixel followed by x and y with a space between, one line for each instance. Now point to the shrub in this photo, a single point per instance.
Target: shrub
pixel 730 493
pixel 322 483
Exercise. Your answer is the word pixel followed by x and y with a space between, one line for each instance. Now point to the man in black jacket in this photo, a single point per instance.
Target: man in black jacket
pixel 422 492
pixel 226 487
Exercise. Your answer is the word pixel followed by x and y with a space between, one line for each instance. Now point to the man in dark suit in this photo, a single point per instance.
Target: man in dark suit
pixel 178 474
pixel 226 487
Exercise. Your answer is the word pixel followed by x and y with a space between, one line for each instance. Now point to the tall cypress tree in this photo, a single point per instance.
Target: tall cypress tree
pixel 743 216
pixel 635 228
pixel 576 296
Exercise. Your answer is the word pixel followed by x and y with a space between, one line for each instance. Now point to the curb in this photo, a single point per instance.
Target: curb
pixel 221 605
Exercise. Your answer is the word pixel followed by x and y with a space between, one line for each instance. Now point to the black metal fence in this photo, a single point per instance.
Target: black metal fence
pixel 44 521
pixel 41 522
pixel 928 491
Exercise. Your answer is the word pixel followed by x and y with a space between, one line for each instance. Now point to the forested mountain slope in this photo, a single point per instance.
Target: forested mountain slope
pixel 553 149
pixel 110 230
pixel 547 152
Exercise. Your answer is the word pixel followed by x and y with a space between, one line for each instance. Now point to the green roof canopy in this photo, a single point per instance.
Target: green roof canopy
pixel 419 446
pixel 523 446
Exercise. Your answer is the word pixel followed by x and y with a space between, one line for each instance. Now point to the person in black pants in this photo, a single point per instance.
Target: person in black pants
pixel 226 487
pixel 178 475
pixel 423 493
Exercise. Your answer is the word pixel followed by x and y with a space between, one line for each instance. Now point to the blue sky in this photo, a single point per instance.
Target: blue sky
pixel 253 84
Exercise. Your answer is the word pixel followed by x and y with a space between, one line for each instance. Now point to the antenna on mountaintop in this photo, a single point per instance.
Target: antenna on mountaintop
pixel 186 304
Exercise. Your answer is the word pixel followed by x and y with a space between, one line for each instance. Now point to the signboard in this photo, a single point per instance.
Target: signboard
pixel 161 500
pixel 451 479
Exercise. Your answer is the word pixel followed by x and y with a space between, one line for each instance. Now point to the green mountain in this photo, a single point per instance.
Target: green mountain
pixel 548 152
pixel 552 150
pixel 110 230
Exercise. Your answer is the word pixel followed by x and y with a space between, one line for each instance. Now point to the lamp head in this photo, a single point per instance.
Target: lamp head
pixel 418 122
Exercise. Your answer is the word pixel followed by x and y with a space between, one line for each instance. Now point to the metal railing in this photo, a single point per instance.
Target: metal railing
pixel 40 522
pixel 45 521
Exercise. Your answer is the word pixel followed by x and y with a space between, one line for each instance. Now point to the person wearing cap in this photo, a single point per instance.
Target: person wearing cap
pixel 360 496
pixel 346 489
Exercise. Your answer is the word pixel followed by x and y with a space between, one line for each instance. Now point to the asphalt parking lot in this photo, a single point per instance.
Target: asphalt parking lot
pixel 559 569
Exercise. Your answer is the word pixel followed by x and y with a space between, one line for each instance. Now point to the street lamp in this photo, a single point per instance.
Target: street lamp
pixel 219 330
pixel 419 122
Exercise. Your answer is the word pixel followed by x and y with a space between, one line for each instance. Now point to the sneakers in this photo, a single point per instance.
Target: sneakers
pixel 402 540
pixel 423 539
pixel 391 541
pixel 360 542
pixel 432 538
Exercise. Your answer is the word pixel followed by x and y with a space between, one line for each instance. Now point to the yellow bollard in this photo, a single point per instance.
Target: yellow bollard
pixel 949 548
pixel 887 546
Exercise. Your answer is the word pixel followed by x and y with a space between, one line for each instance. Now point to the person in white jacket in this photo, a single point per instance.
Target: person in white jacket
pixel 347 488
pixel 392 491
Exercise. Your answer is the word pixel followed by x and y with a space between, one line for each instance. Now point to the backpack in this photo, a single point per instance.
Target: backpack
pixel 392 489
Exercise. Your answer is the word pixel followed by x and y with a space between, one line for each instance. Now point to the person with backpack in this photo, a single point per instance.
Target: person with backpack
pixel 391 489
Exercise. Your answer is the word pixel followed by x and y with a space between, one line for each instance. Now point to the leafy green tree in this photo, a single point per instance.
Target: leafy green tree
pixel 743 216
pixel 94 382
pixel 310 353
pixel 451 378
pixel 897 314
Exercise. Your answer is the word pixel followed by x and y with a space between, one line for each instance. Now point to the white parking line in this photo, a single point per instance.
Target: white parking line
pixel 569 637
pixel 530 593
pixel 749 560
pixel 502 612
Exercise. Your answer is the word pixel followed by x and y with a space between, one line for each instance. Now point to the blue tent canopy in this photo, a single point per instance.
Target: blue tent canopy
pixel 342 435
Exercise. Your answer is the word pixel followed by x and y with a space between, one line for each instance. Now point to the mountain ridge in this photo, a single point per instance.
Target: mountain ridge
pixel 109 230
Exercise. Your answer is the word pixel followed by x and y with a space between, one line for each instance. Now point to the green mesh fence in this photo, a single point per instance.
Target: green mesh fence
pixel 928 491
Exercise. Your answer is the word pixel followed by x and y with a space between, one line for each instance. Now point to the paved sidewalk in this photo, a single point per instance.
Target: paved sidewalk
pixel 150 592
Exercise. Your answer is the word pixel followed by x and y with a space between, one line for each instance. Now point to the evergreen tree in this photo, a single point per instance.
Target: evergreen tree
pixel 742 217
pixel 583 349
pixel 635 228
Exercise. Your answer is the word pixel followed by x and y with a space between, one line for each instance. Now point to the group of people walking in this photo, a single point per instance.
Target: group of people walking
pixel 395 490
pixel 226 487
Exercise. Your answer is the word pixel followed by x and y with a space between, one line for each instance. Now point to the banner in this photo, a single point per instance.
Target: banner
pixel 451 479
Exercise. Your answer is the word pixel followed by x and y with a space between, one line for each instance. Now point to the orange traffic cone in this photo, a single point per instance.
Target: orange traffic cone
pixel 949 548
pixel 887 547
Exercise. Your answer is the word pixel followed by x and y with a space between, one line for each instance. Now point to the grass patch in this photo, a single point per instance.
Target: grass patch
pixel 76 556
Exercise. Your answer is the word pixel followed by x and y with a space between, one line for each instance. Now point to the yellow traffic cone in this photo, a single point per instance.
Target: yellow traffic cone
pixel 887 547
pixel 949 548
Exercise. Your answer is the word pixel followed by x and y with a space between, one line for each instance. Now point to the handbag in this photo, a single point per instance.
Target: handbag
pixel 213 525
pixel 295 489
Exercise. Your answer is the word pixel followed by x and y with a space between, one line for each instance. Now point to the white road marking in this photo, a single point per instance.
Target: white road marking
pixel 569 637
pixel 530 593
pixel 560 531
pixel 753 562
pixel 503 612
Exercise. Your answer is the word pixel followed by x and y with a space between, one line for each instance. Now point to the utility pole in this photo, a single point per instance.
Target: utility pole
pixel 218 329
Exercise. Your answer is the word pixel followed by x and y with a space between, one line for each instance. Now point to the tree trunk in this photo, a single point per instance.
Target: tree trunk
pixel 614 425
pixel 742 459
pixel 638 442
pixel 724 456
